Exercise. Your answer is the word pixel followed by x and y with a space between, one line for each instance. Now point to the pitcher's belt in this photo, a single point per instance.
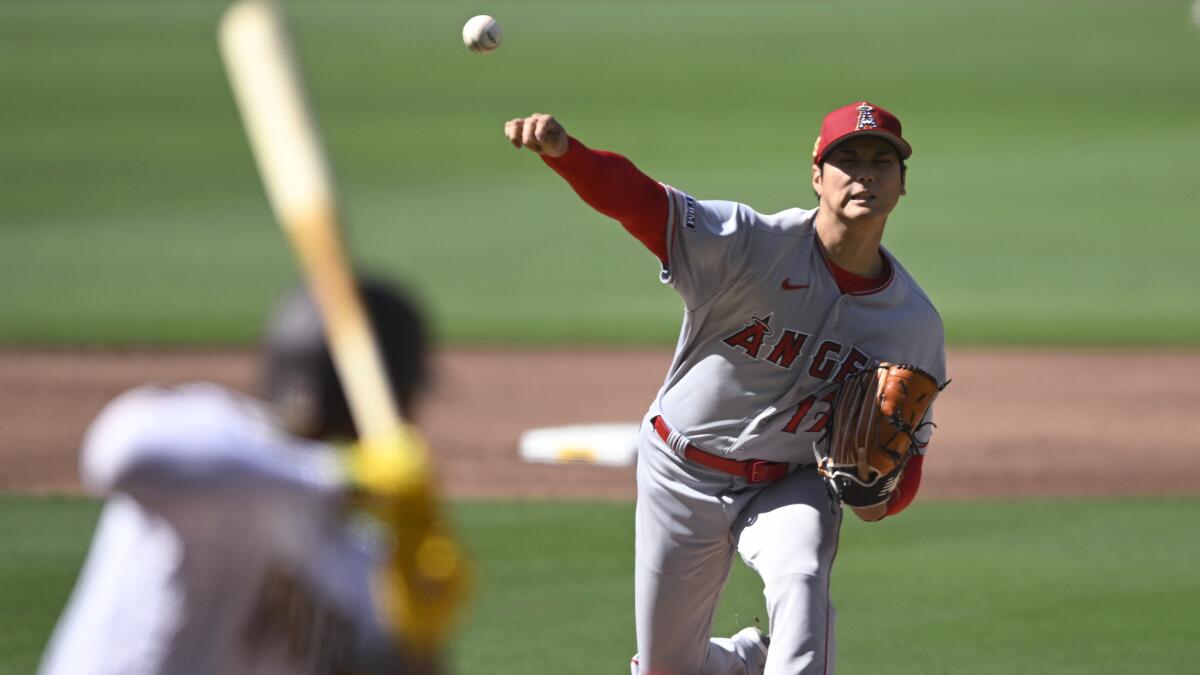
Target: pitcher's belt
pixel 753 470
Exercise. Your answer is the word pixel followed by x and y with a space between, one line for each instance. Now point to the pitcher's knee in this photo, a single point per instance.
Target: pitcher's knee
pixel 799 610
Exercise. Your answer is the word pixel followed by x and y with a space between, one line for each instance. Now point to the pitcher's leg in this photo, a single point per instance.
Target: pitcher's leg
pixel 789 535
pixel 684 548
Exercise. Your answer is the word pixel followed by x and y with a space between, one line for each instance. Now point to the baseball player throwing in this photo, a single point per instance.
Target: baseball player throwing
pixel 225 545
pixel 779 309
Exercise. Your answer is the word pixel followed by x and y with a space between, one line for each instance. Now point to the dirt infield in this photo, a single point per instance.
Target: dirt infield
pixel 1013 423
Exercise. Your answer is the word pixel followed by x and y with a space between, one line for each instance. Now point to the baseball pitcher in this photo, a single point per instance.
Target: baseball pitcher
pixel 803 380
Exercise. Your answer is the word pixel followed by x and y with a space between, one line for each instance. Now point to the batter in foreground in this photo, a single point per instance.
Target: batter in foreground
pixel 779 309
pixel 228 541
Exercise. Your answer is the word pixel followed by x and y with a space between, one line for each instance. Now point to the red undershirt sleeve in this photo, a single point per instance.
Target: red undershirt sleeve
pixel 612 185
pixel 910 482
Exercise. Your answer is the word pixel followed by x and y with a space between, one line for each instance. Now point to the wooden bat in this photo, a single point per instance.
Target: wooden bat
pixel 426 580
pixel 291 158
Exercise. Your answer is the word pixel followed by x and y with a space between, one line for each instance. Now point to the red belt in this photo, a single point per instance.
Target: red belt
pixel 753 470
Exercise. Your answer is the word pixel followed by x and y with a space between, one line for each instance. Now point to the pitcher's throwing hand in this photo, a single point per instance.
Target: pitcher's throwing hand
pixel 539 132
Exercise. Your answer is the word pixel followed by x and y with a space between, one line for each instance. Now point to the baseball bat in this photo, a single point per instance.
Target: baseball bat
pixel 425 582
pixel 299 183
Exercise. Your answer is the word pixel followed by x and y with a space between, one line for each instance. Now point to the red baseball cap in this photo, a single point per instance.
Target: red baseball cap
pixel 859 119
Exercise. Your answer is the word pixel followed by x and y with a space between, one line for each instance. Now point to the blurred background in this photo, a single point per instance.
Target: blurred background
pixel 1052 217
pixel 1051 191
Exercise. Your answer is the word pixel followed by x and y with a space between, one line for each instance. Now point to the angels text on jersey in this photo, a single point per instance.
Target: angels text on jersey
pixel 831 361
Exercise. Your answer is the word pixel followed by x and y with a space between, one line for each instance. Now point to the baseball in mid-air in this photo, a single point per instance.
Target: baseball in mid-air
pixel 481 34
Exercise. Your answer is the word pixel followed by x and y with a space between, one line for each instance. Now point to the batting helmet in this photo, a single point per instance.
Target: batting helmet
pixel 298 375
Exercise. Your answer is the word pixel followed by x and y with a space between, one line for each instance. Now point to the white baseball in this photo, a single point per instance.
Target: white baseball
pixel 481 34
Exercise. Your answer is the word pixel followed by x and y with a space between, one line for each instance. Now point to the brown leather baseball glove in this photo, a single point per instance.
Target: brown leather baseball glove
pixel 876 413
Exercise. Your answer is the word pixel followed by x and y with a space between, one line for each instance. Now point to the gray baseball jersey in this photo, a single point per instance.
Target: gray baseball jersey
pixel 767 334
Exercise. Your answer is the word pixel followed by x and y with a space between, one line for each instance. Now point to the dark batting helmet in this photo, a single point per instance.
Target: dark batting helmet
pixel 298 375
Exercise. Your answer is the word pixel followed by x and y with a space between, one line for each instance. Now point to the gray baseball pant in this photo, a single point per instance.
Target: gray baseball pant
pixel 689 521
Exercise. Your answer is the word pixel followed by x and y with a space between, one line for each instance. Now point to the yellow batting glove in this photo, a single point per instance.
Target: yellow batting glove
pixel 422 588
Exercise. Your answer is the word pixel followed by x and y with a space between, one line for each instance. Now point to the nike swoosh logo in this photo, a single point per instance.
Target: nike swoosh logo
pixel 788 286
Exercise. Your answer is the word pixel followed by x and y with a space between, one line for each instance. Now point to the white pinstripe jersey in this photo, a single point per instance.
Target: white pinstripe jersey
pixel 767 333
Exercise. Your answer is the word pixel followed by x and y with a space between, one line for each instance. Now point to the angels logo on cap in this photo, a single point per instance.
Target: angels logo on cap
pixel 859 119
pixel 865 119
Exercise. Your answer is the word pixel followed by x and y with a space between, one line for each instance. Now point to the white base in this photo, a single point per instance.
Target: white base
pixel 604 444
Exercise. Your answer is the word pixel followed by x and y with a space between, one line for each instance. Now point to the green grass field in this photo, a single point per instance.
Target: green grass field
pixel 1050 193
pixel 1086 587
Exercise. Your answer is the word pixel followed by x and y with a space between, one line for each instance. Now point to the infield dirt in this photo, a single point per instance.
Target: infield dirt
pixel 1014 423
